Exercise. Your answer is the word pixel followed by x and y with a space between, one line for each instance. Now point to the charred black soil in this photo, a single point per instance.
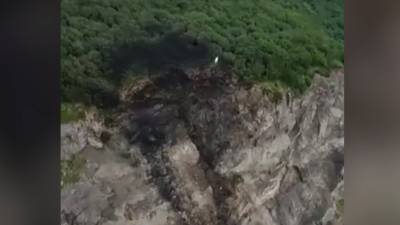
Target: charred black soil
pixel 154 119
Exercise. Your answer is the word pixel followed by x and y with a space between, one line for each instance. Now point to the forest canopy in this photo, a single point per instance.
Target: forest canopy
pixel 261 40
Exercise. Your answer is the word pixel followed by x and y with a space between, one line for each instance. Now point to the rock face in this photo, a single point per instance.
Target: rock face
pixel 208 150
pixel 76 136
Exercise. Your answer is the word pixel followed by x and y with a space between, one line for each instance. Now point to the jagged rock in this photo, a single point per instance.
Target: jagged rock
pixel 115 193
pixel 83 204
pixel 192 188
pixel 221 153
pixel 73 140
pixel 75 136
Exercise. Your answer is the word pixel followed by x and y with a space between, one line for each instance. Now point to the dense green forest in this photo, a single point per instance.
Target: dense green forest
pixel 284 41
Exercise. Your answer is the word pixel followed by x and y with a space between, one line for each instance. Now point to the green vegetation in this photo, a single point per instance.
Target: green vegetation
pixel 339 211
pixel 283 41
pixel 275 90
pixel 72 112
pixel 71 170
pixel 340 207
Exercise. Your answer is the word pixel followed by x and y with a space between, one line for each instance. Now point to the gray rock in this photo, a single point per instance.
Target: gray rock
pixel 73 140
pixel 219 153
pixel 75 136
pixel 116 194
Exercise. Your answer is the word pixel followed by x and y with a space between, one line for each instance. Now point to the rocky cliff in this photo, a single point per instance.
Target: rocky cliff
pixel 200 148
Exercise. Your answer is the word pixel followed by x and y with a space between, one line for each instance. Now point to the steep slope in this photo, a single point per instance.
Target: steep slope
pixel 200 148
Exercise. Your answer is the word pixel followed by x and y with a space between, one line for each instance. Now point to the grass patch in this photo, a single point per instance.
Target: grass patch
pixel 72 112
pixel 274 90
pixel 340 206
pixel 71 170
